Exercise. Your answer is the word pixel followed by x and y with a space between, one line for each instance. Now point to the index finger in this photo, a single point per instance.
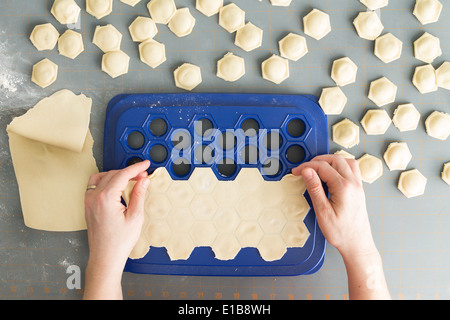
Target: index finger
pixel 121 179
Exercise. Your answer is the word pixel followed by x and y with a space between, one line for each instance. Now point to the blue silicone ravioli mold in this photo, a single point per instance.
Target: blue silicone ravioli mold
pixel 226 132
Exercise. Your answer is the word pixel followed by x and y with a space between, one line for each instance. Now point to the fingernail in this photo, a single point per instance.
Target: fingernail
pixel 307 174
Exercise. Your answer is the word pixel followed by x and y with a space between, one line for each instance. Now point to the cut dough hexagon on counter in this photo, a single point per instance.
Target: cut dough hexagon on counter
pixel 425 79
pixel 249 37
pixel 438 125
pixel 182 22
pixel 231 17
pixel 368 25
pixel 275 69
pixel 44 37
pixel 371 168
pixel 152 53
pixel 427 11
pixel 115 63
pixel 44 73
pixel 142 29
pixel 66 11
pixel 293 47
pixel 131 2
pixel 344 71
pixel 230 67
pixel 317 24
pixel 99 8
pixel 187 76
pixel 412 183
pixel 280 3
pixel 209 7
pixel 375 4
pixel 427 48
pixel 397 156
pixel 70 44
pixel 346 133
pixel 406 117
pixel 445 175
pixel 107 38
pixel 161 11
pixel 443 75
pixel 376 122
pixel 388 48
pixel 382 91
pixel 332 100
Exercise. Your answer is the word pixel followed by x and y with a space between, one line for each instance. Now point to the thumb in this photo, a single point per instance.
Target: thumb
pixel 316 192
pixel 137 198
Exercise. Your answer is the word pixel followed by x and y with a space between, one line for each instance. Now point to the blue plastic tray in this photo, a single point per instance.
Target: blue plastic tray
pixel 161 123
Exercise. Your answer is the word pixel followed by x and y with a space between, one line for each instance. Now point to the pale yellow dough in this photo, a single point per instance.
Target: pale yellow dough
pixel 51 150
pixel 99 8
pixel 66 11
pixel 44 36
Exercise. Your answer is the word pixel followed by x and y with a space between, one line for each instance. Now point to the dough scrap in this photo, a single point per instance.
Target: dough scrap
pixel 427 48
pixel 376 122
pixel 293 47
pixel 230 67
pixel 44 73
pixel 427 11
pixel 70 44
pixel 51 149
pixel 182 22
pixel 443 75
pixel 249 37
pixel 371 168
pixel 161 11
pixel 368 25
pixel 44 37
pixel 375 4
pixel 332 100
pixel 130 2
pixel 66 11
pixel 388 48
pixel 445 175
pixel 412 183
pixel 344 71
pixel 152 53
pixel 406 117
pixel 187 76
pixel 209 7
pixel 438 125
pixel 346 133
pixel 397 156
pixel 228 227
pixel 275 69
pixel 107 38
pixel 231 17
pixel 142 29
pixel 115 63
pixel 317 24
pixel 425 79
pixel 99 8
pixel 382 91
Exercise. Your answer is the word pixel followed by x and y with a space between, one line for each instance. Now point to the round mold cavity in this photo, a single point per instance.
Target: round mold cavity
pixel 250 127
pixel 249 154
pixel 181 139
pixel 158 153
pixel 158 127
pixel 296 127
pixel 133 160
pixel 272 168
pixel 203 127
pixel 226 168
pixel 273 140
pixel 204 154
pixel 181 167
pixel 295 154
pixel 227 140
pixel 135 140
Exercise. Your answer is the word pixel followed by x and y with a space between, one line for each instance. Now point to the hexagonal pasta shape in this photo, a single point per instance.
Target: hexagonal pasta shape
pixel 371 168
pixel 375 4
pixel 281 3
pixel 406 117
pixel 388 48
pixel 272 221
pixel 115 63
pixel 209 7
pixel 293 47
pixel 44 73
pixel 368 25
pixel 99 8
pixel 203 180
pixel 332 100
pixel 293 185
pixel 249 233
pixel 346 133
pixel 182 22
pixel 249 37
pixel 231 17
pixel 44 37
pixel 66 11
pixel 181 193
pixel 295 208
pixel 437 125
pixel 345 154
pixel 376 122
pixel 427 11
pixel 180 219
pixel 427 48
pixel 317 24
pixel 295 234
pixel 344 71
pixel 412 183
pixel 161 11
pixel 179 246
pixel 443 75
pixel 397 156
pixel 272 247
pixel 203 207
pixel 187 76
pixel 203 233
pixel 226 220
pixel 225 246
pixel 445 175
pixel 157 232
pixel 152 53
pixel 275 69
pixel 425 79
pixel 131 2
pixel 142 28
pixel 70 44
pixel 382 91
pixel 230 67
pixel 107 38
pixel 158 206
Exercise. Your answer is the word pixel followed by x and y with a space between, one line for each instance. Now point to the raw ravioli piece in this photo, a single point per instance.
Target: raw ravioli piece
pixel 187 76
pixel 346 133
pixel 44 37
pixel 406 117
pixel 293 47
pixel 131 2
pixel 70 44
pixel 371 168
pixel 182 22
pixel 317 24
pixel 446 173
pixel 99 8
pixel 376 122
pixel 438 125
pixel 230 67
pixel 397 156
pixel 368 25
pixel 443 75
pixel 66 11
pixel 375 4
pixel 344 71
pixel 412 183
pixel 152 53
pixel 275 69
pixel 107 38
pixel 142 28
pixel 382 91
pixel 115 63
pixel 427 11
pixel 44 73
pixel 231 17
pixel 427 48
pixel 209 7
pixel 388 48
pixel 249 37
pixel 161 11
pixel 425 79
pixel 332 100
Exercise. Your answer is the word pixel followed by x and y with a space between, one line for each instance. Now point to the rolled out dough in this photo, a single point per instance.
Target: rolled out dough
pixel 51 150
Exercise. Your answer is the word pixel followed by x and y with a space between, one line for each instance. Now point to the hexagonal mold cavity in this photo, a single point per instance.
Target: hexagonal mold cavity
pixel 70 44
pixel 295 127
pixel 371 168
pixel 44 73
pixel 437 125
pixel 161 11
pixel 397 156
pixel 425 79
pixel 375 4
pixel 66 11
pixel 376 122
pixel 388 48
pixel 142 28
pixel 368 25
pixel 317 24
pixel 412 183
pixel 346 133
pixel 107 38
pixel 44 37
pixel 230 67
pixel 99 8
pixel 427 48
pixel 427 11
pixel 152 53
pixel 332 100
pixel 293 47
pixel 445 175
pixel 406 117
pixel 344 71
pixel 187 76
pixel 209 7
pixel 248 126
pixel 249 37
pixel 275 69
pixel 382 91
pixel 231 17
pixel 180 168
pixel 182 23
pixel 115 63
